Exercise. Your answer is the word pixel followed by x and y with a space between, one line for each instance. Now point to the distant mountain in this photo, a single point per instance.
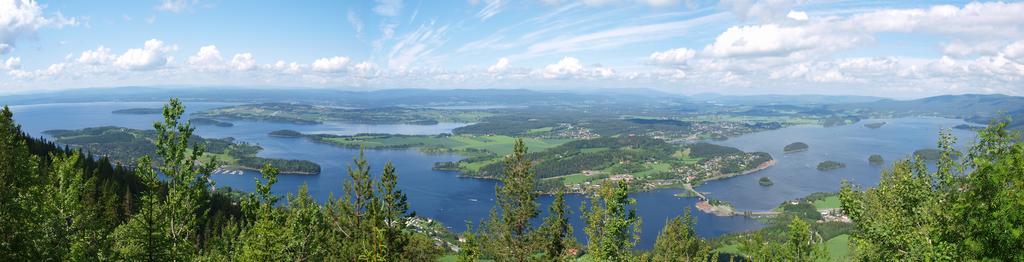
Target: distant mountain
pixel 781 99
pixel 347 98
pixel 975 108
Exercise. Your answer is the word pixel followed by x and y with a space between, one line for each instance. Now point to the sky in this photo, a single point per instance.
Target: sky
pixel 901 49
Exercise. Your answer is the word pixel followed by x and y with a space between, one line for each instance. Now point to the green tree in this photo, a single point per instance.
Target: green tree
pixel 306 227
pixel 143 237
pixel 557 235
pixel 71 228
pixel 968 209
pixel 368 222
pixel 265 239
pixel 509 231
pixel 18 176
pixel 469 249
pixel 170 226
pixel 679 242
pixel 613 227
pixel 802 243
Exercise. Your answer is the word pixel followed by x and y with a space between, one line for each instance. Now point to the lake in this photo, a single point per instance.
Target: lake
pixel 795 174
pixel 453 200
pixel 441 195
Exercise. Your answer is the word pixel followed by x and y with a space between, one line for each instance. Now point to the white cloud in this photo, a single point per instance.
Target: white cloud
pixel 795 15
pixel 388 7
pixel 1015 51
pixel 964 49
pixel 491 8
pixel 976 19
pixel 678 56
pixel 243 62
pixel 208 58
pixel 22 19
pixel 565 68
pixel 762 10
pixel 417 46
pixel 501 65
pixel 365 69
pixel 653 3
pixel 151 56
pixel 333 64
pixel 619 36
pixel 659 3
pixel 571 68
pixel 176 5
pixel 777 40
pixel 100 56
pixel 12 63
pixel 357 24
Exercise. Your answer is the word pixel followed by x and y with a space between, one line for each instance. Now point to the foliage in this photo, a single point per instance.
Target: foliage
pixel 969 208
pixel 679 242
pixel 509 226
pixel 613 227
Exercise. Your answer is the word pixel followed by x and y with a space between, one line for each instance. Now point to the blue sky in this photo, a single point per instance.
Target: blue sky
pixel 883 48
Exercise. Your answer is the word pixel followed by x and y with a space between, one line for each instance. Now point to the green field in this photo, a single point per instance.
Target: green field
pixel 496 144
pixel 652 169
pixel 828 202
pixel 838 247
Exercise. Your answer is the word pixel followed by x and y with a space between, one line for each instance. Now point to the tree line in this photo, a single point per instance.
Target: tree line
pixel 57 204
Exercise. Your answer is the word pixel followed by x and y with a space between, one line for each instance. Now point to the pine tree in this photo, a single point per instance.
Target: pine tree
pixel 18 175
pixel 144 236
pixel 167 228
pixel 188 186
pixel 557 232
pixel 679 242
pixel 391 207
pixel 613 227
pixel 306 227
pixel 469 249
pixel 509 229
pixel 802 243
pixel 265 239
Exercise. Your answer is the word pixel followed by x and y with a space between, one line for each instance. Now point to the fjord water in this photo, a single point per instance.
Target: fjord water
pixel 452 200
pixel 796 175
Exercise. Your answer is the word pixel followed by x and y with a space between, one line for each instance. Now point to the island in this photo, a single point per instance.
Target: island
pixel 795 147
pixel 874 125
pixel 286 133
pixel 314 114
pixel 125 145
pixel 764 181
pixel 139 111
pixel 969 127
pixel 928 154
pixel 202 121
pixel 576 165
pixel 876 159
pixel 830 165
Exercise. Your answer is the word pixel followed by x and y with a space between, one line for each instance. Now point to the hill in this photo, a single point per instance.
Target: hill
pixel 973 108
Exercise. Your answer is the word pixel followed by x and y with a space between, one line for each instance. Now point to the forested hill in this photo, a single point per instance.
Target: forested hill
pixel 980 109
pixel 125 145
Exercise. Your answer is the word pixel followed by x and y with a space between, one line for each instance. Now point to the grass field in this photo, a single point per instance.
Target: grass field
pixel 838 247
pixel 497 144
pixel 653 169
pixel 828 202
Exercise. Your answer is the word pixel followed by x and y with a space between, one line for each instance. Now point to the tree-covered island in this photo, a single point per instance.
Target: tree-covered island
pixel 795 147
pixel 830 165
pixel 125 145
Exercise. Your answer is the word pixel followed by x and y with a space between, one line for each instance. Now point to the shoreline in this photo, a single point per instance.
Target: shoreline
pixel 759 167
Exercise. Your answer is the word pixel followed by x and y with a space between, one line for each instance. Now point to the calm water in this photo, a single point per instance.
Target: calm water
pixel 436 194
pixel 795 174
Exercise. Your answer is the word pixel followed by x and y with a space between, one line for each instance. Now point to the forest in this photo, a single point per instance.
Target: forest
pixel 125 145
pixel 61 204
